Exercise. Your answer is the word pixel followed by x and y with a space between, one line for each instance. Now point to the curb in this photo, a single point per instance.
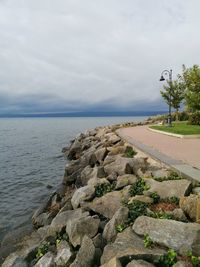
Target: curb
pixel 189 136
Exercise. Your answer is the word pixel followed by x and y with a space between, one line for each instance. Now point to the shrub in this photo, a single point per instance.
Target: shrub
pixel 129 152
pixel 42 249
pixel 138 187
pixel 136 209
pixel 167 260
pixel 120 227
pixel 155 196
pixel 148 242
pixel 102 189
pixel 172 176
pixel 173 199
pixel 194 118
pixel 160 215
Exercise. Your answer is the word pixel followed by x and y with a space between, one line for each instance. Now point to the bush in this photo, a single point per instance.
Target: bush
pixel 138 187
pixel 102 189
pixel 194 118
pixel 129 152
pixel 136 209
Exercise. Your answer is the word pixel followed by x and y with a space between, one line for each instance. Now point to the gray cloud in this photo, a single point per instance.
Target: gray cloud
pixel 70 55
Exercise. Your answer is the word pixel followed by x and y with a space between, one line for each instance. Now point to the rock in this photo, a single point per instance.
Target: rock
pixel 170 188
pixel 196 190
pixel 170 233
pixel 108 204
pixel 128 246
pixel 82 194
pixel 181 264
pixel 97 181
pixel 112 177
pixel 139 164
pixel 112 138
pixel 90 173
pixel 179 215
pixel 124 180
pixel 46 261
pixel 116 150
pixel 64 254
pixel 119 217
pixel 140 263
pixel 86 254
pixel 78 227
pixel 141 198
pixel 114 262
pixel 14 260
pixel 160 173
pixel 61 219
pixel 75 150
pixel 101 153
pixel 121 166
pixel 191 206
pixel 98 241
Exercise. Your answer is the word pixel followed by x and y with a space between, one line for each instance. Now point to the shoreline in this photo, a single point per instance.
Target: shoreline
pixel 84 162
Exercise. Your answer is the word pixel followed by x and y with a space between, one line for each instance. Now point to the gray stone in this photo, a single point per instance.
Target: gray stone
pixel 108 204
pixel 114 262
pixel 160 173
pixel 169 188
pixel 181 264
pixel 101 153
pixel 119 217
pixel 128 245
pixel 124 180
pixel 140 263
pixel 97 181
pixel 179 215
pixel 121 166
pixel 112 138
pixel 98 241
pixel 85 255
pixel 60 221
pixel 196 190
pixel 14 260
pixel 116 150
pixel 170 233
pixel 78 228
pixel 46 261
pixel 141 198
pixel 191 206
pixel 75 150
pixel 64 254
pixel 82 194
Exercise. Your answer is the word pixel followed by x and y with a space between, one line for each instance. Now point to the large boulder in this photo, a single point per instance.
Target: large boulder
pixel 46 261
pixel 101 153
pixel 82 194
pixel 114 262
pixel 124 180
pixel 180 236
pixel 121 166
pixel 116 150
pixel 75 150
pixel 112 138
pixel 90 173
pixel 86 254
pixel 61 219
pixel 119 217
pixel 191 206
pixel 140 263
pixel 129 246
pixel 79 227
pixel 108 204
pixel 15 260
pixel 64 254
pixel 170 188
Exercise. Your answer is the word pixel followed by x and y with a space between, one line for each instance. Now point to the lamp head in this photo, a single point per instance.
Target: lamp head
pixel 162 78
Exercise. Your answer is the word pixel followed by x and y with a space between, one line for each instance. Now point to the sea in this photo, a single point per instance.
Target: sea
pixel 31 162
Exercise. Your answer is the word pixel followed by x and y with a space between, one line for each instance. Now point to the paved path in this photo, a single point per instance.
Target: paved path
pixel 181 154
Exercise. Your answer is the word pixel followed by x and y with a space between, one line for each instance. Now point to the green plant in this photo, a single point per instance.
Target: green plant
pixel 155 197
pixel 194 118
pixel 60 237
pixel 129 152
pixel 195 260
pixel 173 199
pixel 136 209
pixel 148 242
pixel 102 189
pixel 120 227
pixel 42 249
pixel 167 260
pixel 172 176
pixel 138 187
pixel 160 215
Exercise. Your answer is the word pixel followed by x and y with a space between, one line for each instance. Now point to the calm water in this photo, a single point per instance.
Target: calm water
pixel 31 159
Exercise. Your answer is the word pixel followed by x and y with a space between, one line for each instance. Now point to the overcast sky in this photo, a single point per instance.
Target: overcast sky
pixel 76 55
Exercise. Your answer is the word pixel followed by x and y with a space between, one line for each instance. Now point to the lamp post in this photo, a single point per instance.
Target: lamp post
pixel 168 72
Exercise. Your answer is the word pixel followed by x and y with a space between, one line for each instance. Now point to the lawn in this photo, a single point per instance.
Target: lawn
pixel 178 128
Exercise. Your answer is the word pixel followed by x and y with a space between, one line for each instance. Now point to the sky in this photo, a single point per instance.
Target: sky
pixel 93 55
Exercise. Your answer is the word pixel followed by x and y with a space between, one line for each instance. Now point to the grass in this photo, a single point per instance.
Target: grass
pixel 179 128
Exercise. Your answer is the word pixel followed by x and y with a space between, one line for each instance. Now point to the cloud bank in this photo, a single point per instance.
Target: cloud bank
pixel 74 55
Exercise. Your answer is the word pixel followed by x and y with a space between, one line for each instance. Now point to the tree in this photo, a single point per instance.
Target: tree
pixel 190 81
pixel 173 94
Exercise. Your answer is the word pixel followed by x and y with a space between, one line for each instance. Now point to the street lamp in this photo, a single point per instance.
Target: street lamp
pixel 168 72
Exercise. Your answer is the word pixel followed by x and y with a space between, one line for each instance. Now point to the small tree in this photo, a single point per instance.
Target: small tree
pixel 173 94
pixel 190 80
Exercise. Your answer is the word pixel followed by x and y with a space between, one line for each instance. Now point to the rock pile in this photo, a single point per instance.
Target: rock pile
pixel 113 210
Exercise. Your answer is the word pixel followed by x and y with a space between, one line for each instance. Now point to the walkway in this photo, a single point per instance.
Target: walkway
pixel 181 154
